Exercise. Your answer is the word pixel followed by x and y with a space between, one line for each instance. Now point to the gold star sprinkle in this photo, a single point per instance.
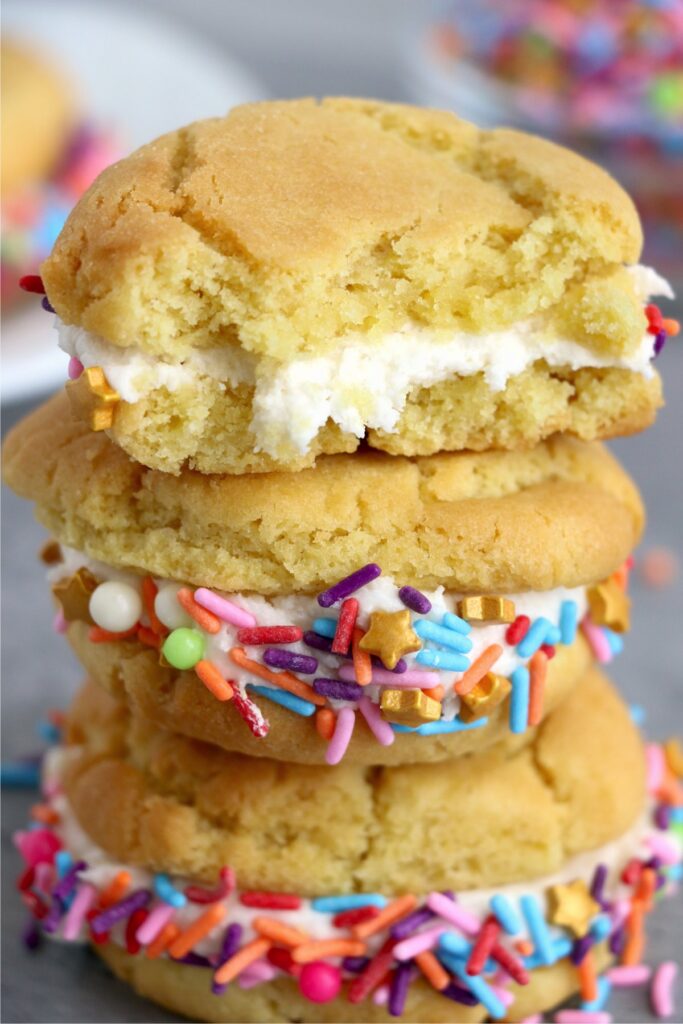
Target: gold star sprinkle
pixel 487 608
pixel 409 707
pixel 390 636
pixel 673 752
pixel 609 606
pixel 572 906
pixel 486 695
pixel 51 553
pixel 91 398
pixel 73 595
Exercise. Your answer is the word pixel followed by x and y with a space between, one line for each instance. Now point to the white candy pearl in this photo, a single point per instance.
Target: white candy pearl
pixel 169 610
pixel 115 606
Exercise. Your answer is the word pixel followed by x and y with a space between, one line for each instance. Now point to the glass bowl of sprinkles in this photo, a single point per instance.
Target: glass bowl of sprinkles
pixel 605 78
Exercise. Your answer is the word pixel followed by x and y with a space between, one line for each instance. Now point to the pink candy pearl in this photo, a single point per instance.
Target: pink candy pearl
pixel 319 982
pixel 37 845
pixel 75 368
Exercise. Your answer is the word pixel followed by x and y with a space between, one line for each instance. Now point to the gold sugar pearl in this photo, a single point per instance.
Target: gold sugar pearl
pixel 390 636
pixel 91 398
pixel 572 906
pixel 409 707
pixel 487 608
pixel 73 595
pixel 484 697
pixel 51 553
pixel 609 606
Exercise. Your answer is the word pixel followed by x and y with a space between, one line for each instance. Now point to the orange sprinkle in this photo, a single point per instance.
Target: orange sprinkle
pixel 149 637
pixel 204 924
pixel 620 576
pixel 149 592
pixel 391 913
pixel 671 326
pixel 538 670
pixel 214 681
pixel 211 623
pixel 524 947
pixel 163 940
pixel 647 885
pixel 322 948
pixel 588 978
pixel 285 680
pixel 432 970
pixel 362 664
pixel 47 815
pixel 281 934
pixel 635 941
pixel 97 635
pixel 478 669
pixel 325 721
pixel 116 890
pixel 436 692
pixel 253 950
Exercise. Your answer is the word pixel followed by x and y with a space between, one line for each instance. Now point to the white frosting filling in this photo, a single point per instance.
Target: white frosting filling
pixel 102 869
pixel 356 385
pixel 381 594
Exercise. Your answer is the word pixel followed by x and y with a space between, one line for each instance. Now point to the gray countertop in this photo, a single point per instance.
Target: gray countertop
pixel 39 672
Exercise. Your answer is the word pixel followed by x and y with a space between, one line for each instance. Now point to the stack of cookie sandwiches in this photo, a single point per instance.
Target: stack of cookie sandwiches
pixel 337 544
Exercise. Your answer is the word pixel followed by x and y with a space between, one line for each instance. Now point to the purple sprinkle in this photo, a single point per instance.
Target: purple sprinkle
pixel 409 924
pixel 662 816
pixel 65 885
pixel 580 948
pixel 231 942
pixel 617 940
pixel 50 922
pixel 338 690
pixel 349 585
pixel 459 994
pixel 414 600
pixel 398 992
pixel 47 305
pixel 598 884
pixel 324 643
pixel 217 989
pixel 118 911
pixel 654 862
pixel 30 936
pixel 303 663
pixel 194 960
pixel 355 964
pixel 660 342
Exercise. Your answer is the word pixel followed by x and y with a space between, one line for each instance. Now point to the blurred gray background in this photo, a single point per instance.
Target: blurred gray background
pixel 301 47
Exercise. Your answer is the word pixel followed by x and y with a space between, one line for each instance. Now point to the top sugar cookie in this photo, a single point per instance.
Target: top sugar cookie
pixel 286 280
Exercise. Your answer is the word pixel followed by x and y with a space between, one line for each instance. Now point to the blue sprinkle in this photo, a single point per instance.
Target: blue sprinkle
pixel 506 914
pixel 48 731
pixel 615 641
pixel 553 636
pixel 448 660
pixel 674 872
pixel 63 861
pixel 597 1004
pixel 559 949
pixel 338 904
pixel 325 627
pixel 601 927
pixel 519 700
pixel 452 621
pixel 428 630
pixel 167 892
pixel 676 815
pixel 569 621
pixel 437 728
pixel 455 945
pixel 479 988
pixel 538 928
pixel 285 699
pixel 538 630
pixel 20 774
pixel 638 714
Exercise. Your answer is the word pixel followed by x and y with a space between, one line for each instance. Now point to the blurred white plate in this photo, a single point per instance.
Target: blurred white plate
pixel 140 74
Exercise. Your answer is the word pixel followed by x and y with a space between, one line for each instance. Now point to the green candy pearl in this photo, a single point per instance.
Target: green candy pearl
pixel 183 648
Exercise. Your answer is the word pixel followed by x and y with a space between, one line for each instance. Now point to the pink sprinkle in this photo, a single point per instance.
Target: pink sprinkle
pixel 158 918
pixel 629 977
pixel 597 641
pixel 656 766
pixel 661 992
pixel 620 912
pixel 379 727
pixel 336 748
pixel 534 1019
pixel 663 847
pixel 397 680
pixel 582 1017
pixel 506 997
pixel 256 973
pixel 223 609
pixel 409 948
pixel 83 900
pixel 381 996
pixel 75 368
pixel 59 622
pixel 445 907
